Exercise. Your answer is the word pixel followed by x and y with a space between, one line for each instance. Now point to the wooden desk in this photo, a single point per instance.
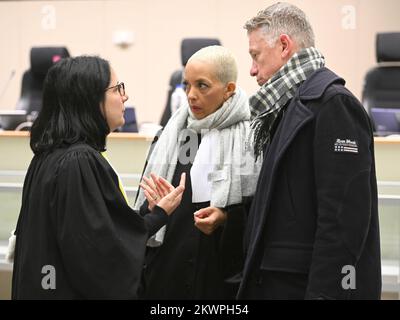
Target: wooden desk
pixel 387 158
pixel 126 151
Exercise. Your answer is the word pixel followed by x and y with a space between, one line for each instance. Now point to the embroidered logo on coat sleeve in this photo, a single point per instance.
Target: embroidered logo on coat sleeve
pixel 346 146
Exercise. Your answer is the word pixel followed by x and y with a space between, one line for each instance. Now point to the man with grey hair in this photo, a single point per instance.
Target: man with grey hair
pixel 312 231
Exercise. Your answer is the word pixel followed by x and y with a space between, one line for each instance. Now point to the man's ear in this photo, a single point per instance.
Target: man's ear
pixel 289 46
pixel 229 90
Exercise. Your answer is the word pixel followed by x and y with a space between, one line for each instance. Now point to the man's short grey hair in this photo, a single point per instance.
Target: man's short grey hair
pixel 283 18
pixel 222 59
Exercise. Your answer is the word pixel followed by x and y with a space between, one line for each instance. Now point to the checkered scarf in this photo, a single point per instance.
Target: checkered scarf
pixel 268 102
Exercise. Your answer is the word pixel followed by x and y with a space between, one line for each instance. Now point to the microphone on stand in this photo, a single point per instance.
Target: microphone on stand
pixel 3 91
pixel 6 119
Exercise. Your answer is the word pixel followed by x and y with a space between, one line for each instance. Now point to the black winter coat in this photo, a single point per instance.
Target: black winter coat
pixel 313 228
pixel 190 264
pixel 77 237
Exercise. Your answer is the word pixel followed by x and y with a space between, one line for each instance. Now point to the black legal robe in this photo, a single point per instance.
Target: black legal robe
pixel 75 219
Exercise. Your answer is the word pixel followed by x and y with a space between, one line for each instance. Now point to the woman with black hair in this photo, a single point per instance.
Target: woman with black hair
pixel 76 236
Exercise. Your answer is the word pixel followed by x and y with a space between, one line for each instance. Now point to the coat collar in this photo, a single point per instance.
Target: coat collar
pixel 315 86
pixel 297 113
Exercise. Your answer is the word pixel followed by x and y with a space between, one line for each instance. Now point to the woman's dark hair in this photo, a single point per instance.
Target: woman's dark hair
pixel 73 91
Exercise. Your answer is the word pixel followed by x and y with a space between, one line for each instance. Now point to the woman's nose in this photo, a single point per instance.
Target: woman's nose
pixel 191 94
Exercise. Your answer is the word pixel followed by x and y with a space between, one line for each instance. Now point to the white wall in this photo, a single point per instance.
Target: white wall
pixel 86 27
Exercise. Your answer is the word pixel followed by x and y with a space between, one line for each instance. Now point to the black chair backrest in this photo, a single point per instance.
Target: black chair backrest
pixel 130 120
pixel 42 58
pixel 189 46
pixel 382 83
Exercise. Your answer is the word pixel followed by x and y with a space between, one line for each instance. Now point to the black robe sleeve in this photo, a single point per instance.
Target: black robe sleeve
pixel 101 239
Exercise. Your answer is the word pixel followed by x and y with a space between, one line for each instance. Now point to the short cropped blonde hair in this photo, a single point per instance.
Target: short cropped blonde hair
pixel 223 60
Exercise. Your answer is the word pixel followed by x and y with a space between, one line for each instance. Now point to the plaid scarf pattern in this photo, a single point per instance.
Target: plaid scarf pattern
pixel 268 102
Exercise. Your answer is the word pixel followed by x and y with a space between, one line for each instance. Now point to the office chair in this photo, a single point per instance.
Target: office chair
pixel 382 83
pixel 42 58
pixel 188 47
pixel 30 101
pixel 130 124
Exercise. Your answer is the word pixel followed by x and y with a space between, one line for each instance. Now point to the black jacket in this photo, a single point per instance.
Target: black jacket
pixel 314 219
pixel 77 237
pixel 190 264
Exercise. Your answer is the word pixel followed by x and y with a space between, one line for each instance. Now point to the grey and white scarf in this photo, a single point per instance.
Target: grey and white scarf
pixel 235 171
pixel 267 103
